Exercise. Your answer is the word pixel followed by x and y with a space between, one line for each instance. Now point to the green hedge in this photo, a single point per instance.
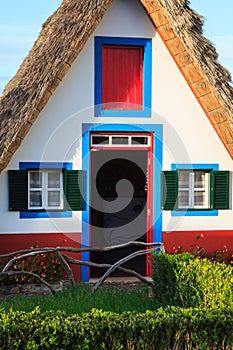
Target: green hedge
pixel 183 280
pixel 164 329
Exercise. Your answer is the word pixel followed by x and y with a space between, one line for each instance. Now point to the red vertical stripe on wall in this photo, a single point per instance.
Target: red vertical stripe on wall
pixel 122 70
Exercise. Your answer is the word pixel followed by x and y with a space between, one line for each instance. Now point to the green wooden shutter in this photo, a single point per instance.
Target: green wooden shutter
pixel 18 190
pixel 220 189
pixel 169 189
pixel 74 186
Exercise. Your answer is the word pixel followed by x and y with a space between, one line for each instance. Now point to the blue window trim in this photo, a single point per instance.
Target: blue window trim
pixel 193 212
pixel 44 214
pixel 147 74
pixel 157 130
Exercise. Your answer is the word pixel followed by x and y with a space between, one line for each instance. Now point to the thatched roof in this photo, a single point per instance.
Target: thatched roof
pixel 64 35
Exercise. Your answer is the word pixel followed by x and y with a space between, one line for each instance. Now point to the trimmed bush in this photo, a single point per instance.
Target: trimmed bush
pixel 171 328
pixel 183 280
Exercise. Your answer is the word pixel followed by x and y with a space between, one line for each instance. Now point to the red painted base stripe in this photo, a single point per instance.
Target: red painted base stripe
pixel 13 242
pixel 212 241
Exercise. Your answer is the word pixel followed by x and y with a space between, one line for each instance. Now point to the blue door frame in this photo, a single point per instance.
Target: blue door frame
pixel 157 131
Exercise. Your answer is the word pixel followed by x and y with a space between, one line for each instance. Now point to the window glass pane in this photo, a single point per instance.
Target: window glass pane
pixel 199 179
pixel 120 140
pixel 141 140
pixel 97 140
pixel 54 198
pixel 183 198
pixel 199 198
pixel 35 199
pixel 35 179
pixel 183 179
pixel 54 180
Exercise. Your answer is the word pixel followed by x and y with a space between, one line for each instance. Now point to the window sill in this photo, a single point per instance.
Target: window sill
pixel 44 214
pixel 142 113
pixel 194 212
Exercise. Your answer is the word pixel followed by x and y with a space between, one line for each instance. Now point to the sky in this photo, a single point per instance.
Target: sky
pixel 21 21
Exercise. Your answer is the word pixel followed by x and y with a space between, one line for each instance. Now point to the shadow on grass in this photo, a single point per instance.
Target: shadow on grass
pixel 83 300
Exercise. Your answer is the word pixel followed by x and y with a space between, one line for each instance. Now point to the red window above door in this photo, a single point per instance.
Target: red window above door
pixel 122 77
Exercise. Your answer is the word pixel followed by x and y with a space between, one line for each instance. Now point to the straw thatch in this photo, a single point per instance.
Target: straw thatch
pixel 64 35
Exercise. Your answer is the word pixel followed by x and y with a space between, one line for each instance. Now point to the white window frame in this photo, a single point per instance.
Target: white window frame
pixel 191 189
pixel 116 145
pixel 45 190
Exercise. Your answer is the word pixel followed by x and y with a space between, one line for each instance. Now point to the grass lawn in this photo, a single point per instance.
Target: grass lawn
pixel 107 299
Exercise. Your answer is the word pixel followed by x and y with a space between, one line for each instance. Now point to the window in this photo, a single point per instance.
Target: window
pixel 45 189
pixel 117 140
pixel 122 76
pixel 38 190
pixel 195 190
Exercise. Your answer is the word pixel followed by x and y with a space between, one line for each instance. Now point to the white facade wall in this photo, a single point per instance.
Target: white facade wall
pixel 56 136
